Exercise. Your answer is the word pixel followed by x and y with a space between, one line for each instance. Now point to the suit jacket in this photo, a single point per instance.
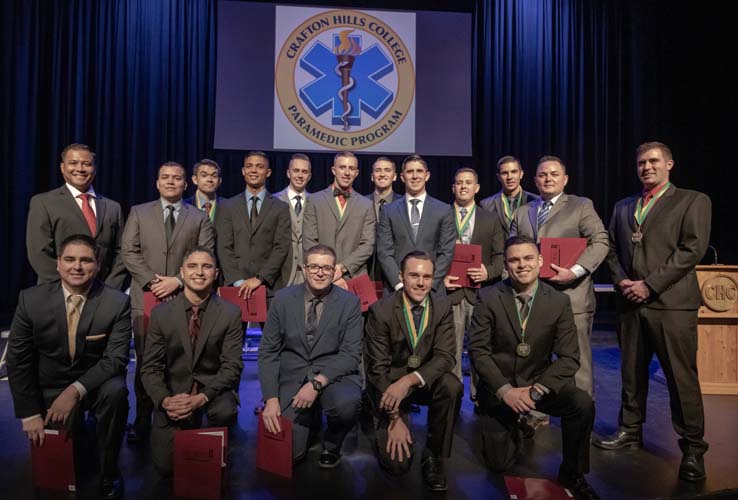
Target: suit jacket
pixel 436 235
pixel 570 217
pixel 493 204
pixel 494 334
pixel 218 201
pixel 374 267
pixel 55 215
pixel 285 360
pixel 38 347
pixel 489 235
pixel 387 344
pixel 676 234
pixel 351 236
pixel 145 249
pixel 246 250
pixel 291 274
pixel 171 366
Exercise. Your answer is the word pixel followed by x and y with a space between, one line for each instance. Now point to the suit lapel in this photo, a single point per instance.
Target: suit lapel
pixel 658 207
pixel 400 318
pixel 60 314
pixel 85 321
pixel 211 317
pixel 72 207
pixel 402 207
pixel 497 200
pixel 424 216
pixel 347 209
pixel 100 206
pixel 508 303
pixel 558 207
pixel 299 314
pixel 331 201
pixel 630 213
pixel 157 216
pixel 184 212
pixel 182 327
pixel 533 219
pixel 265 207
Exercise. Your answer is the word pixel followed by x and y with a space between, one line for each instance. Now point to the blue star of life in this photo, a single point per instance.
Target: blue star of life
pixel 367 95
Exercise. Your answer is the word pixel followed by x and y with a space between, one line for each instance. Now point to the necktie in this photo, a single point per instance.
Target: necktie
pixel 88 213
pixel 417 314
pixel 512 200
pixel 254 212
pixel 524 307
pixel 194 325
pixel 465 234
pixel 311 325
pixel 298 204
pixel 543 213
pixel 415 217
pixel 170 222
pixel 380 206
pixel 72 321
pixel 207 207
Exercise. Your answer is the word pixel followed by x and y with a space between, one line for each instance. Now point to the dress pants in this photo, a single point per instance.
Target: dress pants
pixel 584 375
pixel 462 318
pixel 144 405
pixel 672 336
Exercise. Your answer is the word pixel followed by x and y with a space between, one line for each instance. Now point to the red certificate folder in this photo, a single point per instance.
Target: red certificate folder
pixel 274 451
pixel 199 459
pixel 363 287
pixel 253 310
pixel 53 462
pixel 529 488
pixel 150 301
pixel 379 288
pixel 465 257
pixel 564 252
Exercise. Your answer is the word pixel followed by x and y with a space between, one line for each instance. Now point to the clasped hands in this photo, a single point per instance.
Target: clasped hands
pixel 181 406
pixel 635 291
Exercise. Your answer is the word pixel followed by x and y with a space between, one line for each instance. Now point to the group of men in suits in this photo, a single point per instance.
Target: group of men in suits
pixel 413 339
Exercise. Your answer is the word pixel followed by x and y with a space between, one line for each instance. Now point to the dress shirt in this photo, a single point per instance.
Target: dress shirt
pixel 76 192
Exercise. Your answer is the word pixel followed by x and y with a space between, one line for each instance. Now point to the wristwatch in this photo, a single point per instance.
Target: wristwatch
pixel 536 394
pixel 317 384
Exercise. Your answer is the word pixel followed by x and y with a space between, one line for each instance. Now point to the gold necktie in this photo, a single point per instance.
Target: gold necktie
pixel 72 321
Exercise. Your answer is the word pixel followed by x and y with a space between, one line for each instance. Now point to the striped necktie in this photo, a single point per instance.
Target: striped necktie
pixel 543 213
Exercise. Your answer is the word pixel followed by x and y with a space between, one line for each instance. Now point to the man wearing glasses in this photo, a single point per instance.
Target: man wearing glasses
pixel 309 358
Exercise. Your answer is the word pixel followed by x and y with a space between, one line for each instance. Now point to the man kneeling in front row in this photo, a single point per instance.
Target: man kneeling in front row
pixel 517 326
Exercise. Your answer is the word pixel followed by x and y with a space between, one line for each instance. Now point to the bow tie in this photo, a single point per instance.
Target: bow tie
pixel 339 192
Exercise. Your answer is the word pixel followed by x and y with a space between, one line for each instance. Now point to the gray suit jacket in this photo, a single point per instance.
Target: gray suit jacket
pixel 436 235
pixel 145 249
pixel 493 204
pixel 291 274
pixel 570 217
pixel 285 361
pixel 352 236
pixel 55 215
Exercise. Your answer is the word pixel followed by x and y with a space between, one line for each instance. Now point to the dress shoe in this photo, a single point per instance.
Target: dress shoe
pixel 578 486
pixel 433 473
pixel 111 488
pixel 329 459
pixel 621 439
pixel 527 431
pixel 692 468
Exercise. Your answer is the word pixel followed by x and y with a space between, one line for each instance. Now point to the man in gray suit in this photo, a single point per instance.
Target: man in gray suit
pixel 558 215
pixel 340 218
pixel 384 173
pixel 309 358
pixel 75 208
pixel 254 232
pixel 155 239
pixel 511 196
pixel 295 195
pixel 416 221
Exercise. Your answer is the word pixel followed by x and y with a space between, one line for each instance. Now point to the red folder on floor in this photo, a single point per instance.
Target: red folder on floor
pixel 252 310
pixel 465 257
pixel 530 488
pixel 274 451
pixel 199 461
pixel 564 252
pixel 53 463
pixel 363 287
pixel 150 301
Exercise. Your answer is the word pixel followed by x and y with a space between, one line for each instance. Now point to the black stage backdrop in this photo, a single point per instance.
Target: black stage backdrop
pixel 587 81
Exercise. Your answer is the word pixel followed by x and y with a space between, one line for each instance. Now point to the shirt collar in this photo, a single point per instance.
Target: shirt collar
pixel 291 193
pixel 164 204
pixel 261 194
pixel 68 294
pixel 554 199
pixel 309 295
pixel 653 191
pixel 76 192
pixel 202 305
pixel 420 197
pixel 517 294
pixel 335 186
pixel 387 198
pixel 201 200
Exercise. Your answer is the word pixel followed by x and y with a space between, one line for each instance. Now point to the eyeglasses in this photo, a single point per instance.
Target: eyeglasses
pixel 314 268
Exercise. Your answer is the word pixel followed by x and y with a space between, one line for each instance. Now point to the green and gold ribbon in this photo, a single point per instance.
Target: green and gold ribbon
pixel 407 312
pixel 641 212
pixel 461 225
pixel 506 205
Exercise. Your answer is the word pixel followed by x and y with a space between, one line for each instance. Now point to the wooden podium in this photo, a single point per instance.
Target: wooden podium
pixel 717 329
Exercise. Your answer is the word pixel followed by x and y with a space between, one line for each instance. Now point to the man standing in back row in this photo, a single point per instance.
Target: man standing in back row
pixel 511 196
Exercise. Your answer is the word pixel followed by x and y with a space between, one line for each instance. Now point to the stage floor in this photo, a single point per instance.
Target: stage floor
pixel 647 473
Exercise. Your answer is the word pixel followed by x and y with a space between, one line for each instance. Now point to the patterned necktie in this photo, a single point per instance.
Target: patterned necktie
pixel 465 234
pixel 88 213
pixel 73 315
pixel 311 325
pixel 380 207
pixel 194 326
pixel 254 209
pixel 415 217
pixel 543 213
pixel 524 306
pixel 298 204
pixel 170 222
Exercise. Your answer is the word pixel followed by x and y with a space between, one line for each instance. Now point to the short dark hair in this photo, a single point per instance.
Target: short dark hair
pixel 387 159
pixel 546 158
pixel 646 146
pixel 209 163
pixel 171 164
pixel 344 154
pixel 79 147
pixel 467 170
pixel 199 249
pixel 260 154
pixel 508 159
pixel 417 158
pixel 520 240
pixel 300 156
pixel 319 250
pixel 416 254
pixel 80 239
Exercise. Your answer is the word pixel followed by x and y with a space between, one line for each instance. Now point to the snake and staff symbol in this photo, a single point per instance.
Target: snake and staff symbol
pixel 346 52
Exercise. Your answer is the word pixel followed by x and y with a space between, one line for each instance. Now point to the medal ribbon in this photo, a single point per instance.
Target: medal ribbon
pixel 407 312
pixel 341 208
pixel 641 212
pixel 201 204
pixel 506 204
pixel 524 321
pixel 462 224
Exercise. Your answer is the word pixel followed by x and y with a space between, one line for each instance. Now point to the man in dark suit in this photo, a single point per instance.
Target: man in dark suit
pixel 295 195
pixel 340 218
pixel 254 232
pixel 475 227
pixel 517 327
pixel 192 364
pixel 206 177
pixel 155 239
pixel 511 196
pixel 416 221
pixel 309 358
pixel 384 173
pixel 409 354
pixel 75 208
pixel 559 215
pixel 68 352
pixel 656 239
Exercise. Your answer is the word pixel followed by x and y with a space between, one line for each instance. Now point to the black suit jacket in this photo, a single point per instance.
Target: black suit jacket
pixel 246 250
pixel 676 234
pixel 387 344
pixel 494 334
pixel 55 215
pixel 38 349
pixel 170 366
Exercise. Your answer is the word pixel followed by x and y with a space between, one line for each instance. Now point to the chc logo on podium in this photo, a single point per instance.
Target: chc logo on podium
pixel 719 293
pixel 345 79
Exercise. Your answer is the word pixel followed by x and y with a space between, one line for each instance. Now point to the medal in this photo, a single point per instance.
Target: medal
pixel 413 361
pixel 637 237
pixel 523 350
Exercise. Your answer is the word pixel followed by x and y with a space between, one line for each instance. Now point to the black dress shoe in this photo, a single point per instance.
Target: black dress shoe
pixel 578 486
pixel 111 488
pixel 433 474
pixel 329 459
pixel 692 468
pixel 621 439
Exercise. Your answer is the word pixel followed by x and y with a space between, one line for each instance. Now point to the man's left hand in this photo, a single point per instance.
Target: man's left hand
pixel 305 397
pixel 394 394
pixel 62 406
pixel 563 276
